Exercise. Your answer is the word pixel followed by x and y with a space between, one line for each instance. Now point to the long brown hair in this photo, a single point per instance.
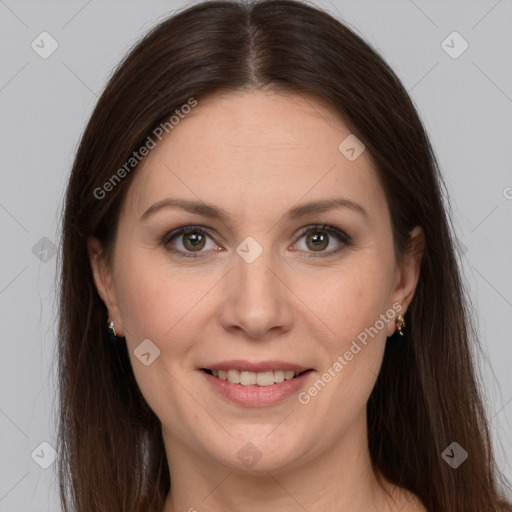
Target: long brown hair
pixel 428 393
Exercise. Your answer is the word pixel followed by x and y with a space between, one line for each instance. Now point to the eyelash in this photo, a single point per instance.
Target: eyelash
pixel 322 228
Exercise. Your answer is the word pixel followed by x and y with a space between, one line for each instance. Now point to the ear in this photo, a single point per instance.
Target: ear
pixel 103 280
pixel 408 273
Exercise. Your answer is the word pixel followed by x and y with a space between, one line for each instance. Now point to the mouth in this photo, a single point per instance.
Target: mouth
pixel 261 379
pixel 263 388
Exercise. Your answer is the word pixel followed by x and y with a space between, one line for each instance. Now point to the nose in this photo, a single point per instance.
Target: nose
pixel 256 297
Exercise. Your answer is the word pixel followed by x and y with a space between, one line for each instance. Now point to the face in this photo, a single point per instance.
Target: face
pixel 266 283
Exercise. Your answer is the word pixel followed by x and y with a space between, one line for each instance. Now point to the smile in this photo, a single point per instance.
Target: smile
pixel 256 389
pixel 245 378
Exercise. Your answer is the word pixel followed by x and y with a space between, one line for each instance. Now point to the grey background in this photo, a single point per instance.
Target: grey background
pixel 465 103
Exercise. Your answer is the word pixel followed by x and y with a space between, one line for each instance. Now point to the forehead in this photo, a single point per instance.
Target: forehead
pixel 247 150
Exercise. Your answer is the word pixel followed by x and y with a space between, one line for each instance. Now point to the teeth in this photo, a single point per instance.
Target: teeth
pixel 248 378
pixel 255 378
pixel 233 376
pixel 278 376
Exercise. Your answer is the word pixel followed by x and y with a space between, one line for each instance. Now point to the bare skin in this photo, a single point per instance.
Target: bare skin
pixel 257 155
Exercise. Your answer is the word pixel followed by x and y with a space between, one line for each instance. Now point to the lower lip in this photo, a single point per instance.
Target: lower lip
pixel 257 396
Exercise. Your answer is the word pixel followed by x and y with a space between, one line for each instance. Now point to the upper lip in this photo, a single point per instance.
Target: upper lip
pixel 262 366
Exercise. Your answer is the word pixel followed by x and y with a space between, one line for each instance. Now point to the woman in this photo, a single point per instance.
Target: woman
pixel 261 305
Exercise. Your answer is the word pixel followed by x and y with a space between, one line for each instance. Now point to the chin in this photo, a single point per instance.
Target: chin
pixel 260 454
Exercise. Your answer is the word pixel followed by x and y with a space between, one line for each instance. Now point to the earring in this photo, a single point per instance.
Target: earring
pixel 112 334
pixel 111 327
pixel 400 324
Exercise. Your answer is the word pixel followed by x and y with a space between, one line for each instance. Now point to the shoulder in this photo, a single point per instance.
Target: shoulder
pixel 409 502
pixel 402 500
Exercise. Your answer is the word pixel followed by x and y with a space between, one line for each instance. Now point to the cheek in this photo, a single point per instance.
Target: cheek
pixel 159 301
pixel 353 350
pixel 352 304
pixel 351 301
pixel 158 305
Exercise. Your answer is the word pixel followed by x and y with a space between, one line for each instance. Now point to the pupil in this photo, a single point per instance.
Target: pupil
pixel 318 240
pixel 194 241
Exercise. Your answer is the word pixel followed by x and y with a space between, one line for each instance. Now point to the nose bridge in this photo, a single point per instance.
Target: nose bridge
pixel 253 269
pixel 256 300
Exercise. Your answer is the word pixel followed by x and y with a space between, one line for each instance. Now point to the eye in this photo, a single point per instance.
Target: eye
pixel 318 237
pixel 193 239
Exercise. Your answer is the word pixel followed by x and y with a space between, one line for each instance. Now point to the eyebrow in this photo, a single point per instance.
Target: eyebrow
pixel 212 211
